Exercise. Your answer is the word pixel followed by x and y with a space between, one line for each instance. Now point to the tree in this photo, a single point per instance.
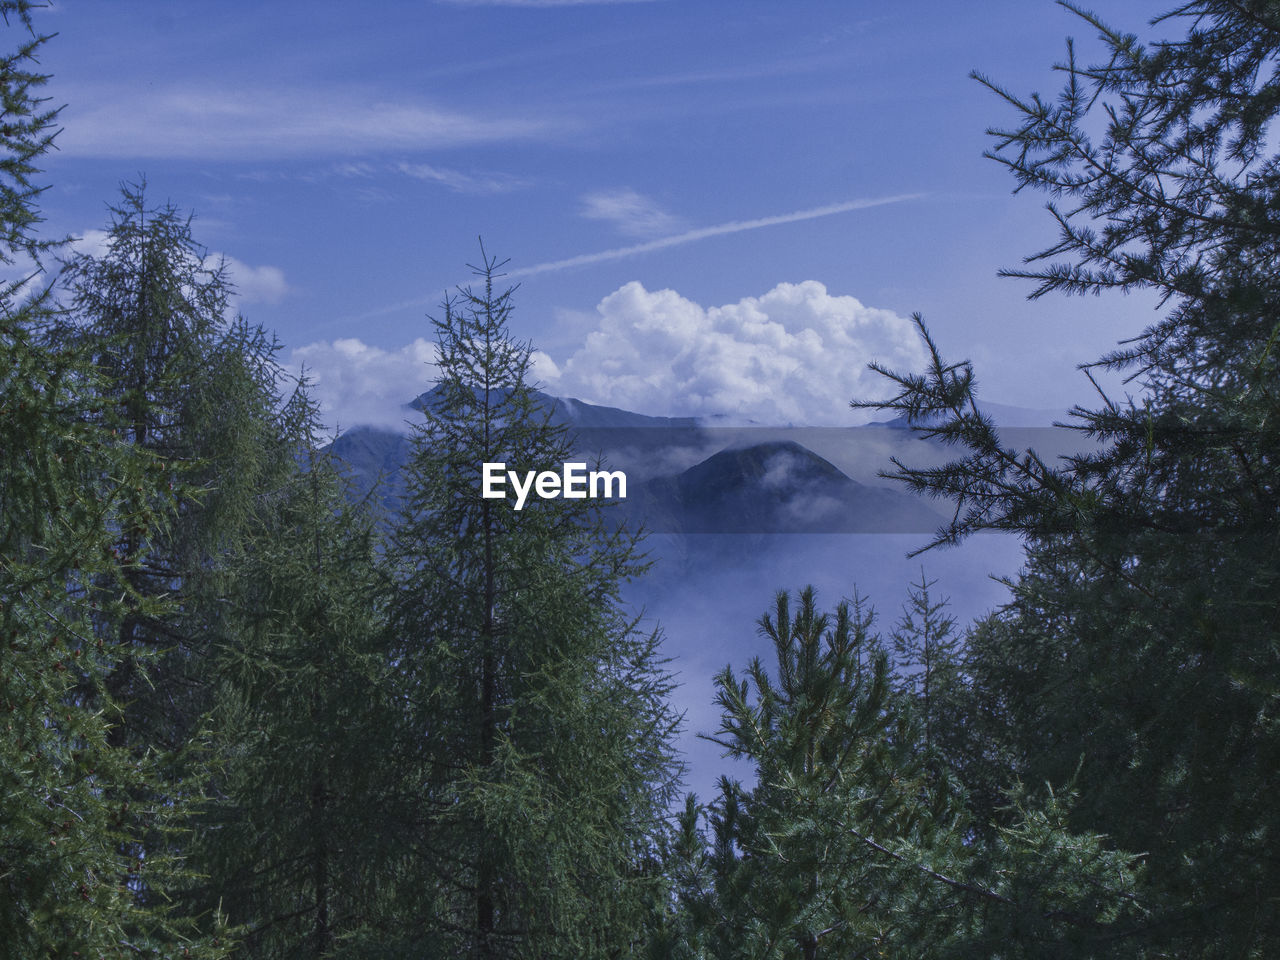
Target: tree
pixel 73 803
pixel 202 394
pixel 292 847
pixel 926 652
pixel 850 845
pixel 1141 648
pixel 539 732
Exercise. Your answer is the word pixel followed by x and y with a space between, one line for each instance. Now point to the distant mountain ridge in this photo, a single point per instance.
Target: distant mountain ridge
pixel 571 412
pixel 769 485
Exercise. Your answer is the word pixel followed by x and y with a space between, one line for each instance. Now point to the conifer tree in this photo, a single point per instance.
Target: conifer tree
pixel 1141 649
pixel 849 845
pixel 201 393
pixel 292 846
pixel 73 804
pixel 538 720
pixel 926 656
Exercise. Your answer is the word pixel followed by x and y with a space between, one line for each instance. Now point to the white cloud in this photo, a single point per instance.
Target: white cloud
pixel 94 243
pixel 702 233
pixel 264 284
pixel 461 182
pixel 354 168
pixel 255 284
pixel 543 367
pixel 356 383
pixel 796 355
pixel 253 125
pixel 631 213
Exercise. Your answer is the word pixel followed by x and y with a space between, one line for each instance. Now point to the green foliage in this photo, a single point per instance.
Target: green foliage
pixel 1141 648
pixel 26 135
pixel 74 879
pixel 200 394
pixel 850 845
pixel 290 848
pixel 538 741
pixel 926 657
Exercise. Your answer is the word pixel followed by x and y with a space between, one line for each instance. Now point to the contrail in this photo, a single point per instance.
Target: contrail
pixel 734 226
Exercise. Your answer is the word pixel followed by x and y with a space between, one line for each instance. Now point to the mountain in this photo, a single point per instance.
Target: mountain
pixel 683 478
pixel 777 486
pixel 571 412
pixel 375 456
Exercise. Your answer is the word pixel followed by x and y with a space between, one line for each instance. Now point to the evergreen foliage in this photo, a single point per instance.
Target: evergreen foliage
pixel 74 805
pixel 926 658
pixel 852 845
pixel 538 743
pixel 224 700
pixel 201 393
pixel 1141 648
pixel 290 844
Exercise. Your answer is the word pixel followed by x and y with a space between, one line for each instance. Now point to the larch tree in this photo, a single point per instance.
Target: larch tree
pixel 926 657
pixel 74 803
pixel 538 725
pixel 1140 659
pixel 199 390
pixel 292 846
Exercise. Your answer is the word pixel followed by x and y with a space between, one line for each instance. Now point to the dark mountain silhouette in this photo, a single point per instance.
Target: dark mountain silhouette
pixel 777 486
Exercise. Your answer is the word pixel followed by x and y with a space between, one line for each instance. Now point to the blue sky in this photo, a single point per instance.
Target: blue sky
pixel 711 207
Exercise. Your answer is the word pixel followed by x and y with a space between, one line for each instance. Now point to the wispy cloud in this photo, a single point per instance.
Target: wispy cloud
pixel 181 122
pixel 631 213
pixel 703 233
pixel 461 182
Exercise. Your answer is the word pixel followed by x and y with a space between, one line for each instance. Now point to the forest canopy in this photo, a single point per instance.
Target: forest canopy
pixel 248 713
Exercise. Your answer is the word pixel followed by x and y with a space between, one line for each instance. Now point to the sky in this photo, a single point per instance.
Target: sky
pixel 709 207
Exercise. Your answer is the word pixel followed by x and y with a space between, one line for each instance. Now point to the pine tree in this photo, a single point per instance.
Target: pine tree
pixel 73 804
pixel 926 656
pixel 850 845
pixel 1141 649
pixel 823 733
pixel 539 725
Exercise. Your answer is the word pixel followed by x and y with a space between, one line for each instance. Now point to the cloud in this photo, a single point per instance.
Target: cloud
pixel 630 213
pixel 356 383
pixel 264 284
pixel 461 182
pixel 94 243
pixel 796 355
pixel 244 125
pixel 353 168
pixel 702 233
pixel 256 284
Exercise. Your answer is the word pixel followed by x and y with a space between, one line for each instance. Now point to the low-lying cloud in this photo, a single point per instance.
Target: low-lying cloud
pixel 358 384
